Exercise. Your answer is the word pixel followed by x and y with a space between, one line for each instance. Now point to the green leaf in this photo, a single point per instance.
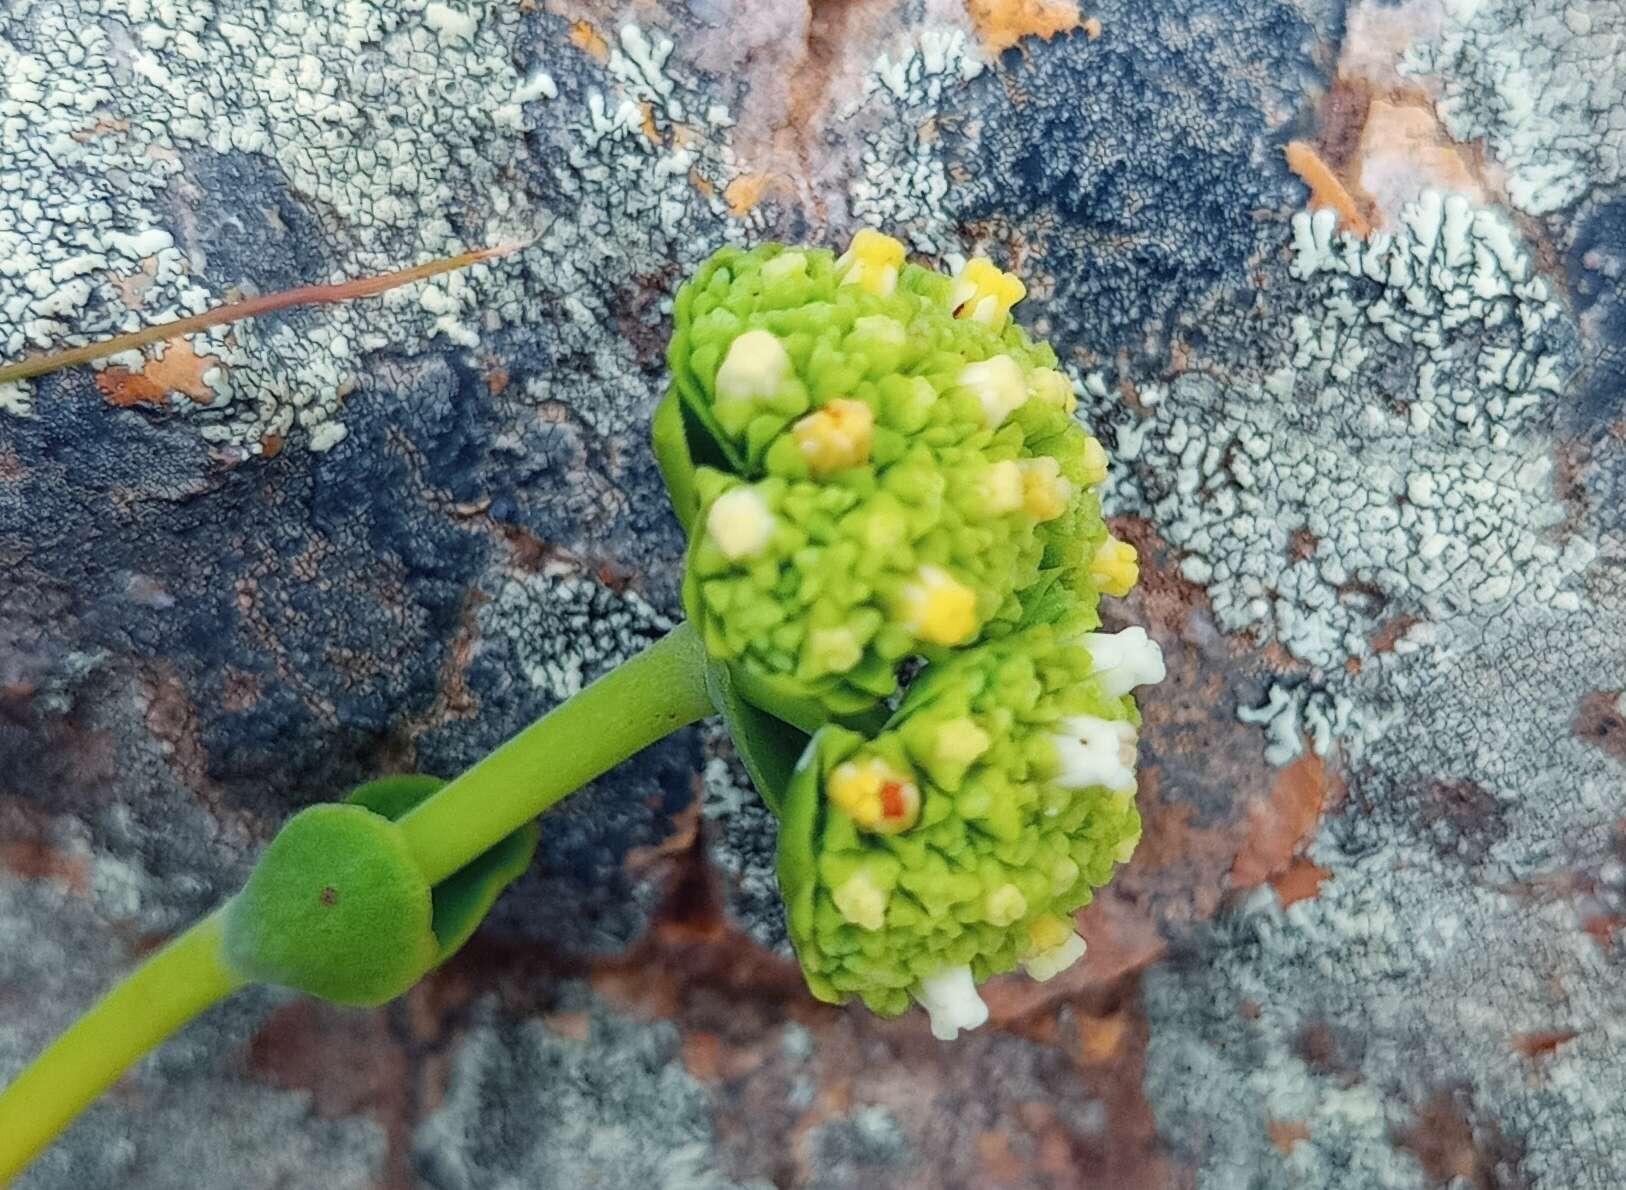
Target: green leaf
pixel 800 823
pixel 676 463
pixel 769 747
pixel 336 908
pixel 461 901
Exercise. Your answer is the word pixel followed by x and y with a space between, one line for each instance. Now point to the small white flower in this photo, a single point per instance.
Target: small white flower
pixel 950 998
pixel 754 368
pixel 1124 660
pixel 1095 752
pixel 999 384
pixel 740 523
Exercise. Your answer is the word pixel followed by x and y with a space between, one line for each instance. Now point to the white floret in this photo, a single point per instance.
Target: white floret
pixel 754 368
pixel 1124 660
pixel 1048 964
pixel 1095 752
pixel 999 384
pixel 950 998
pixel 740 523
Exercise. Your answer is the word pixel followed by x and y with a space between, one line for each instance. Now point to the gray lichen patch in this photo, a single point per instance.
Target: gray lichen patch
pixel 613 1108
pixel 1544 84
pixel 566 631
pixel 859 1149
pixel 187 1118
pixel 1379 458
pixel 741 842
pixel 396 133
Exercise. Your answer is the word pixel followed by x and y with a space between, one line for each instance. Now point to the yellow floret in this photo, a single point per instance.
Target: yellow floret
pixel 1116 569
pixel 1053 947
pixel 939 609
pixel 1045 492
pixel 1052 388
pixel 875 795
pixel 1005 905
pixel 873 261
pixel 1095 461
pixel 836 436
pixel 960 742
pixel 1002 489
pixel 985 294
pixel 861 901
pixel 834 650
pixel 1047 933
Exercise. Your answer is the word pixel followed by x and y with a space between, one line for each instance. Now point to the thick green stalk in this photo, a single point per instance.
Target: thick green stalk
pixel 160 996
pixel 629 708
pixel 626 710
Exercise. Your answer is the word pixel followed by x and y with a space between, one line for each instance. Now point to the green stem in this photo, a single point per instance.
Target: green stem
pixel 644 700
pixel 629 708
pixel 164 993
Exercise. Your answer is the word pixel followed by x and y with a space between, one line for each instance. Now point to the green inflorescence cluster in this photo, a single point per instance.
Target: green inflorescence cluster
pixel 923 526
pixel 1002 852
pixel 878 465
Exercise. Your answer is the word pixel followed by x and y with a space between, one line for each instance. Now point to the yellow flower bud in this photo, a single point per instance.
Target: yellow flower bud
pixel 861 901
pixel 875 795
pixel 754 368
pixel 1095 461
pixel 1052 388
pixel 1116 569
pixel 998 384
pixel 985 294
pixel 1002 488
pixel 873 261
pixel 939 609
pixel 836 436
pixel 1005 905
pixel 1047 933
pixel 1045 492
pixel 834 650
pixel 960 742
pixel 1052 948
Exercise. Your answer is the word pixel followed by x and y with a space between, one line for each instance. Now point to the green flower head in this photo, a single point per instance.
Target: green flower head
pixel 878 464
pixel 875 464
pixel 958 842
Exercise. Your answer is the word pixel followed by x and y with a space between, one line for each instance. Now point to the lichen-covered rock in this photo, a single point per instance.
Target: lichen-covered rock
pixel 1371 935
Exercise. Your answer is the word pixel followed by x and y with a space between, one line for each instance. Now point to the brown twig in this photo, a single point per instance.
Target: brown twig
pixel 304 295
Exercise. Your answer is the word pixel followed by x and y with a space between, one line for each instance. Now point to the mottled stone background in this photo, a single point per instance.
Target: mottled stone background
pixel 1375 460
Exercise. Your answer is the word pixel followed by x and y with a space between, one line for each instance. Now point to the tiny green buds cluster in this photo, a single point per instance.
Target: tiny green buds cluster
pixel 882 465
pixel 958 841
pixel 885 466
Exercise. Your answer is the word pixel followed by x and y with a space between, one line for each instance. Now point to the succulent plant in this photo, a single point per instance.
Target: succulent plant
pixel 896 553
